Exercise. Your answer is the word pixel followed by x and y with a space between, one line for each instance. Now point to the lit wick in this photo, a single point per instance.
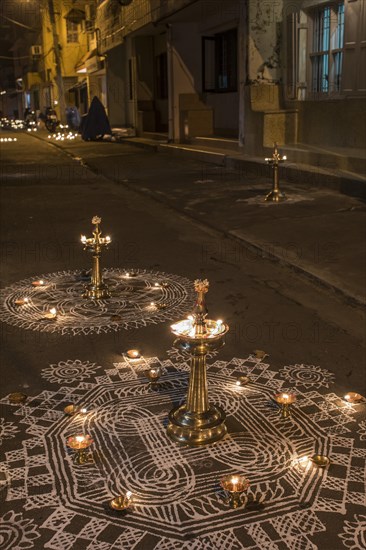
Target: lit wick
pixel 21 301
pixel 153 375
pixel 38 283
pixel 52 314
pixel 235 485
pixel 133 354
pixel 285 400
pixel 353 397
pixel 242 381
pixel 303 461
pixel 121 502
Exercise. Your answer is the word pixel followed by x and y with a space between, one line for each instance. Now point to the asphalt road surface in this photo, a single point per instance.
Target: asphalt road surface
pixel 161 220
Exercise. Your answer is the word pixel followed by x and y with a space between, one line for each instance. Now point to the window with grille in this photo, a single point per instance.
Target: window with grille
pixel 72 32
pixel 219 62
pixel 327 49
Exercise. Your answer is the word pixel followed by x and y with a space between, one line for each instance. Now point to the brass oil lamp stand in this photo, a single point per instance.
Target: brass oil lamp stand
pixel 96 289
pixel 198 422
pixel 275 195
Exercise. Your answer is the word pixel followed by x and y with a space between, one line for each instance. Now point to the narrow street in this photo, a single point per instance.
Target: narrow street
pixel 189 220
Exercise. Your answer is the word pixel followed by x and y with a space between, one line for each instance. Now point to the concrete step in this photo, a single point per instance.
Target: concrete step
pixel 230 144
pixel 204 154
pixel 156 136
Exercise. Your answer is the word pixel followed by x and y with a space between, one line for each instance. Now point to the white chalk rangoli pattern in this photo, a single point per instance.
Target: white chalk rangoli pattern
pixel 354 536
pixel 308 376
pixel 66 372
pixel 362 430
pixel 16 532
pixel 177 500
pixel 145 298
pixel 7 430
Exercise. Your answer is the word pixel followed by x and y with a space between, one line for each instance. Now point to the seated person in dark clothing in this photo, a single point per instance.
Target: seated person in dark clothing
pixel 95 124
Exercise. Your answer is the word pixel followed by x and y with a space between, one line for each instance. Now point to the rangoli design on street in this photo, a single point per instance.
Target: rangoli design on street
pixel 138 298
pixel 8 430
pixel 354 535
pixel 308 376
pixel 178 503
pixel 362 430
pixel 16 532
pixel 67 372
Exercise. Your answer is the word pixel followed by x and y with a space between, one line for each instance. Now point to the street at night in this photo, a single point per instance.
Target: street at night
pixel 154 207
pixel 182 284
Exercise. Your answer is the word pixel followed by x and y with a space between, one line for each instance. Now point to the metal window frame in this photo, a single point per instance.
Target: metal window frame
pixel 217 39
pixel 334 88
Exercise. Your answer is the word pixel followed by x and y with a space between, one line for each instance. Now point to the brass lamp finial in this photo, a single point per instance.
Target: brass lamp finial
pixel 201 285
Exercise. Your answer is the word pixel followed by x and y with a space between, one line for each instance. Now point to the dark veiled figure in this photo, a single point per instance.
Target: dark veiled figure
pixel 95 124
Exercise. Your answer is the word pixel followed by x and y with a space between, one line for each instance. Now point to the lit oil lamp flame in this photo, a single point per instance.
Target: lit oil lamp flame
pixel 234 481
pixel 22 301
pixel 133 354
pixel 121 502
pixel 242 381
pixel 235 485
pixel 353 397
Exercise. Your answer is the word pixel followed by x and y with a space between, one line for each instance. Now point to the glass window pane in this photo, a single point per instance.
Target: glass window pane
pixel 340 26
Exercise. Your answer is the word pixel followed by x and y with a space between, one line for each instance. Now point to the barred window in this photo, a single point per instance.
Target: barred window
pixel 327 49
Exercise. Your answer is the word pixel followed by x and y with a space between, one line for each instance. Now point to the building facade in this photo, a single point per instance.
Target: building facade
pixel 255 70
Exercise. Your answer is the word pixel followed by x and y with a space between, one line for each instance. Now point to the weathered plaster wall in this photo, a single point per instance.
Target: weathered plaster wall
pixel 264 41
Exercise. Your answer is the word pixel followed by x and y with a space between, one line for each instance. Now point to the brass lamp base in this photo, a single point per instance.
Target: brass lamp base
pixel 275 196
pixel 82 457
pixel 196 429
pixel 96 292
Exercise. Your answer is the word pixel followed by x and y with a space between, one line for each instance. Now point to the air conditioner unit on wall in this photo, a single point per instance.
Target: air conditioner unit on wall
pixel 36 51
